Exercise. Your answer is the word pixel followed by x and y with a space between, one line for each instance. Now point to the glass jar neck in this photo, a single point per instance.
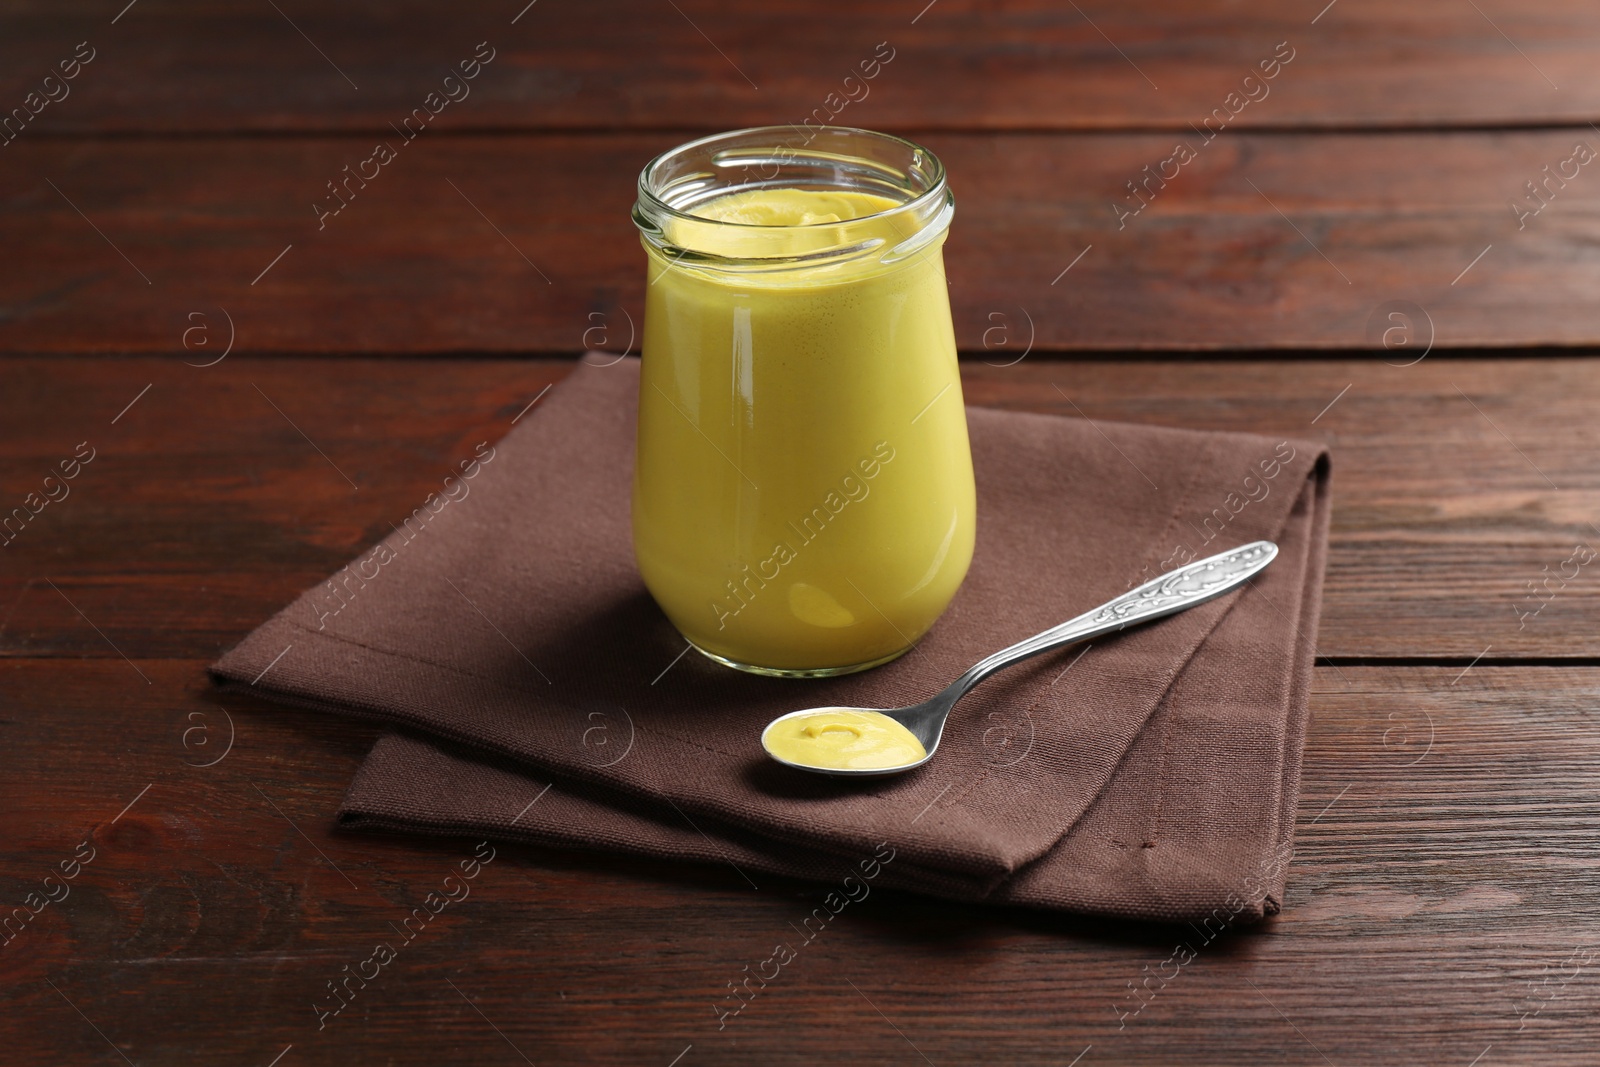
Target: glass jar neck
pixel 826 160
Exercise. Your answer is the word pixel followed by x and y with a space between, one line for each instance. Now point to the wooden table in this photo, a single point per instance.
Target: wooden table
pixel 1356 255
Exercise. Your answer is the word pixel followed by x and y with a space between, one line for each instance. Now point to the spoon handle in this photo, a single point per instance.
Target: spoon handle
pixel 1167 594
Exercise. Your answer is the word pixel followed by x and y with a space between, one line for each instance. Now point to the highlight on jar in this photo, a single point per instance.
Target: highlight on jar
pixel 803 499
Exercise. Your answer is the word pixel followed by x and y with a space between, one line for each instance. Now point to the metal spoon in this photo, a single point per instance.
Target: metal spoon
pixel 1175 591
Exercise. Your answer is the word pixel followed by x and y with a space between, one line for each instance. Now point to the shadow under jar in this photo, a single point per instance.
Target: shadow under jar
pixel 803 500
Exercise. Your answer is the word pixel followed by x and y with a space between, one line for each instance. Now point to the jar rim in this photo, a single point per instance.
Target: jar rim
pixel 935 169
pixel 902 166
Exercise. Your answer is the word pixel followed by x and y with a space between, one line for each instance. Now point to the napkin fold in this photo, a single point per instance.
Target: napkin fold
pixel 540 695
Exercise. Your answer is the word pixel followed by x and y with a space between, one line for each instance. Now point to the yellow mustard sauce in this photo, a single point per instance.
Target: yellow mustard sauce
pixel 803 495
pixel 840 739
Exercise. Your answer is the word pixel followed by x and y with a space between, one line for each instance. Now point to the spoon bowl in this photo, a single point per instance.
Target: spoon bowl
pixel 1169 593
pixel 925 721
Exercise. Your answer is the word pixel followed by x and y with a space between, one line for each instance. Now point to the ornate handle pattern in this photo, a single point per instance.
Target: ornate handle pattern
pixel 1198 581
pixel 1164 595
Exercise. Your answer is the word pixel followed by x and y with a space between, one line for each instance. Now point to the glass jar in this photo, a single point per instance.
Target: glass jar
pixel 803 501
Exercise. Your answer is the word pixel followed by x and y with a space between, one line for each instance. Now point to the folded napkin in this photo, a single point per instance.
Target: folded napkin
pixel 545 698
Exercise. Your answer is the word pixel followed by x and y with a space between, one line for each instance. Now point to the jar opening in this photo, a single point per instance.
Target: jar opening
pixel 677 185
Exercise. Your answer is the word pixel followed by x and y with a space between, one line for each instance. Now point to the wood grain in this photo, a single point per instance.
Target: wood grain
pixel 524 244
pixel 200 65
pixel 1442 903
pixel 1457 484
pixel 1436 892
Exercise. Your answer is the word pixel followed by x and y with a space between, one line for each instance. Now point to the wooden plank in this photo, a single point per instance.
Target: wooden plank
pixel 524 244
pixel 957 64
pixel 205 509
pixel 1442 897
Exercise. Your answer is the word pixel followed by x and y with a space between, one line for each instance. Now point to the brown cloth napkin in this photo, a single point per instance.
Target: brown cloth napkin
pixel 1154 775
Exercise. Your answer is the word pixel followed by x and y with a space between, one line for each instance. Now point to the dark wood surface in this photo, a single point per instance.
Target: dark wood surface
pixel 1266 241
pixel 1442 903
pixel 202 65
